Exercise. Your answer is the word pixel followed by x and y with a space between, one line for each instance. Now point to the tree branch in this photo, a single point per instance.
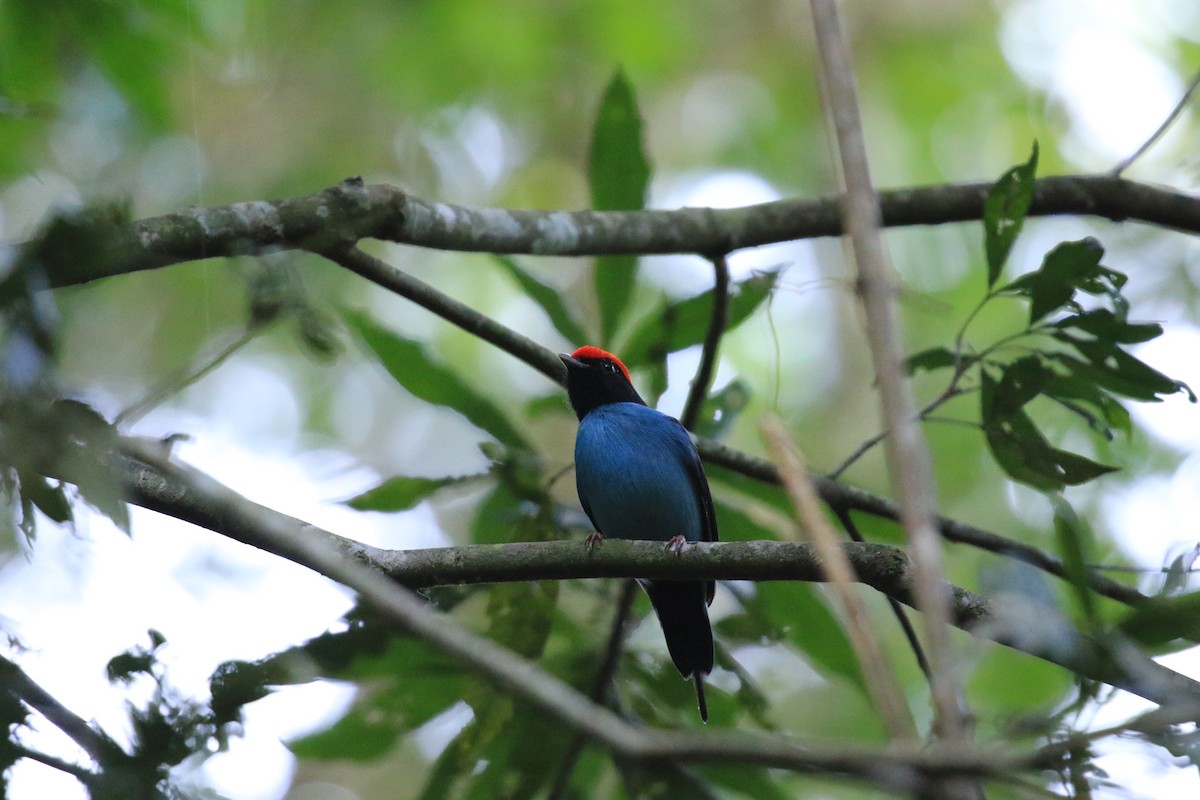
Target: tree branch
pixel 712 343
pixel 97 744
pixel 341 215
pixel 897 767
pixel 198 499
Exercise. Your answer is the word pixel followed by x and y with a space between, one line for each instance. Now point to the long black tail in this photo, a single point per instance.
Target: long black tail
pixel 682 609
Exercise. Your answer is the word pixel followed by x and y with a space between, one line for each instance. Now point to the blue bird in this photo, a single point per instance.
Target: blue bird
pixel 639 477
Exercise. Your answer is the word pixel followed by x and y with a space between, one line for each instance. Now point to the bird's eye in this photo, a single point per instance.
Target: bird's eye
pixel 608 366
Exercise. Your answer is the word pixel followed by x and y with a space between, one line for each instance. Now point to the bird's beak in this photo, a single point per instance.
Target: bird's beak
pixel 570 362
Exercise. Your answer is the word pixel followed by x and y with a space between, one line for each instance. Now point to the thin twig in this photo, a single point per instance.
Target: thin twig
pixel 450 309
pixel 951 392
pixel 185 378
pixel 906 625
pixel 909 463
pixel 881 681
pixel 95 743
pixel 1166 123
pixel 712 343
pixel 82 774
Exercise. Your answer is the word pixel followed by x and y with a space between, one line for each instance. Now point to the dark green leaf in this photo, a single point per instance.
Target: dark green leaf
pixel 745 781
pixel 547 297
pixel 497 517
pixel 1105 325
pixel 934 358
pixel 410 684
pixel 1074 547
pixel 89 442
pixel 416 370
pixel 685 323
pixel 235 684
pixel 402 493
pixel 50 500
pixel 1122 373
pixel 1024 454
pixel 647 781
pixel 1020 382
pixel 1065 269
pixel 1073 392
pixel 722 409
pixel 619 175
pixel 1004 213
pixel 1160 620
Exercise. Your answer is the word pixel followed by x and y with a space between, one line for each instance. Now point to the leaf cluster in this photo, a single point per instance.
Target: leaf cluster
pixel 1071 353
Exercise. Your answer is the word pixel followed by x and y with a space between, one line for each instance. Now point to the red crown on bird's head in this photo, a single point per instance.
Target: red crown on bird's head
pixel 587 352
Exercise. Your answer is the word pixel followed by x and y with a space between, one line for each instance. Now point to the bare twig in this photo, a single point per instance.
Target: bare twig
pixel 82 774
pixel 951 392
pixel 94 742
pixel 844 516
pixel 712 343
pixel 185 378
pixel 909 464
pixel 881 681
pixel 462 315
pixel 1166 124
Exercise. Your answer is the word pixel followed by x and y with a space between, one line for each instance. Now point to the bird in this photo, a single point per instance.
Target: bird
pixel 639 476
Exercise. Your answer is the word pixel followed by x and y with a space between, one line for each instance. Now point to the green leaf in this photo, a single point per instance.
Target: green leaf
pixel 1022 451
pixel 1074 547
pixel 497 516
pixel 745 781
pixel 722 409
pixel 1160 620
pixel 50 500
pixel 410 685
pixel 90 442
pixel 1065 269
pixel 685 323
pixel 1121 372
pixel 1107 326
pixel 547 297
pixel 1084 398
pixel 416 370
pixel 1004 213
pixel 619 175
pixel 1021 381
pixel 930 360
pixel 402 493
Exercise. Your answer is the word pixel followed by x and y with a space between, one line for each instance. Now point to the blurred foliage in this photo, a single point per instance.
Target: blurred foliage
pixel 109 109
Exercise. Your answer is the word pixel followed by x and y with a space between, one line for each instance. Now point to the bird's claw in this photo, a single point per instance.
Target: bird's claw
pixel 592 538
pixel 675 545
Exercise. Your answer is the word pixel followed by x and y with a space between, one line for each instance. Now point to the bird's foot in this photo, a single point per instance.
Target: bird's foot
pixel 675 545
pixel 592 538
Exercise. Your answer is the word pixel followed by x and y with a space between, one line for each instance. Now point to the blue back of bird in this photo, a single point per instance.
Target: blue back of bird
pixel 632 473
